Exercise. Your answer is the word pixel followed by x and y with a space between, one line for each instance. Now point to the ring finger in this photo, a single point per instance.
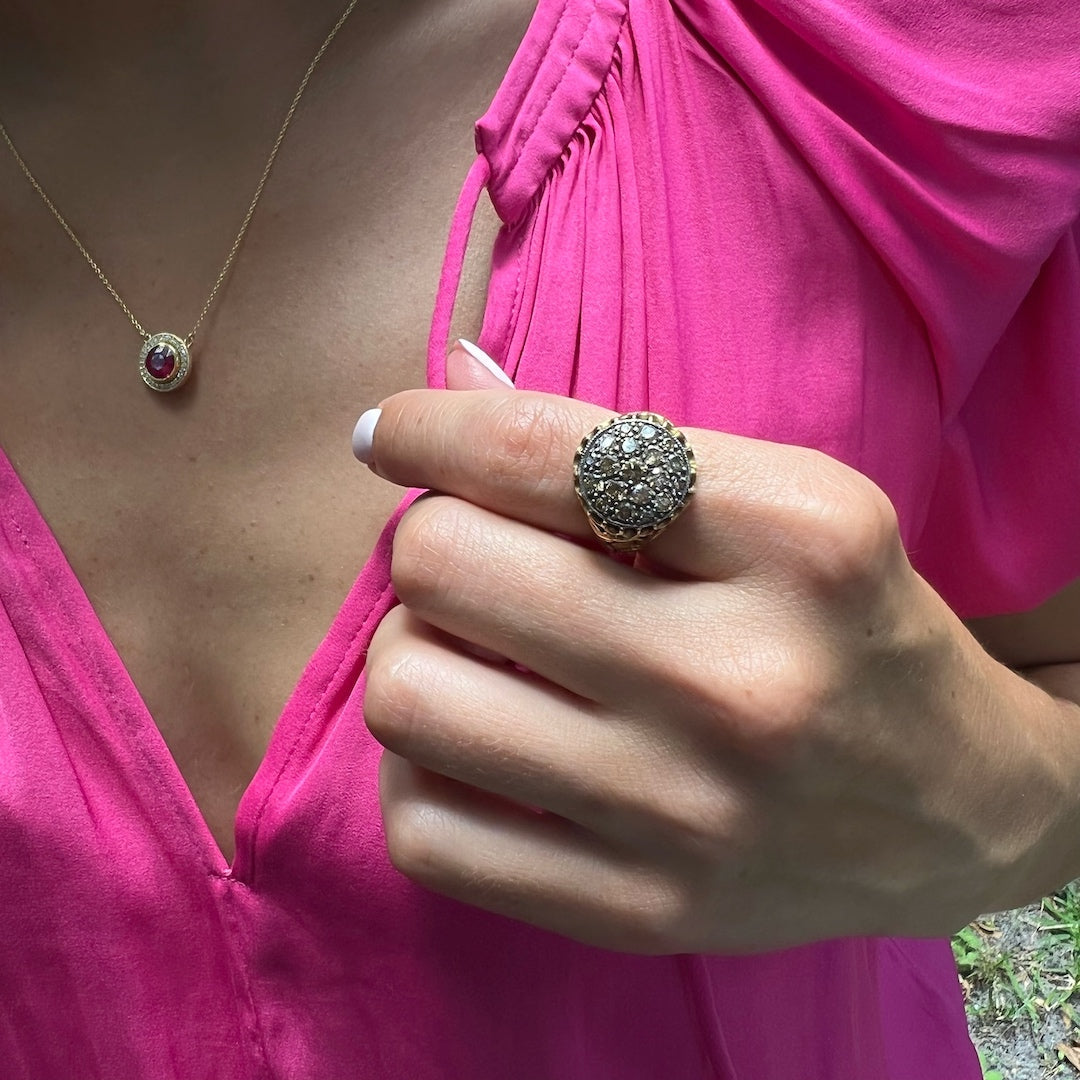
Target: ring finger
pixel 516 736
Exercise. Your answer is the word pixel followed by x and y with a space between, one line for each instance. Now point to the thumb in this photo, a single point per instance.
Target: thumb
pixel 468 367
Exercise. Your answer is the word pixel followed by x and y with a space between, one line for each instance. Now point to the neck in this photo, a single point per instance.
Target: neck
pixel 50 47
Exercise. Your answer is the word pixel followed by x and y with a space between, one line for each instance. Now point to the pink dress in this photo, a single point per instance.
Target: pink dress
pixel 848 224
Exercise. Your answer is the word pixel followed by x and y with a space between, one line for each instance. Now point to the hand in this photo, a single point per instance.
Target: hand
pixel 768 731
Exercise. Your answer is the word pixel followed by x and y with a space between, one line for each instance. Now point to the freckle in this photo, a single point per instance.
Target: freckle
pixel 203 550
pixel 193 457
pixel 311 577
pixel 869 631
pixel 251 558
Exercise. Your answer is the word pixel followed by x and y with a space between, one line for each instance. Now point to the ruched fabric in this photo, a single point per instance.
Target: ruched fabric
pixel 845 225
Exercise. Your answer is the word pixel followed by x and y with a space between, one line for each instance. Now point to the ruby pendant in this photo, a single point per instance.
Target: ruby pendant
pixel 164 362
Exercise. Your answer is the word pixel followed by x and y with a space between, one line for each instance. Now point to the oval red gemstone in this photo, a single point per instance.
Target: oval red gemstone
pixel 161 361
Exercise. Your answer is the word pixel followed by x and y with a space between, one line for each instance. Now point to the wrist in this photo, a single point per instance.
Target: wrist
pixel 1046 701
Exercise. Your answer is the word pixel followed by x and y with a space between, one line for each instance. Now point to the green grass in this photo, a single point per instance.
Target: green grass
pixel 1020 972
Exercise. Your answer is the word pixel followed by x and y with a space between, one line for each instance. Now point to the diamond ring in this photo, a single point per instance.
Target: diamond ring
pixel 634 475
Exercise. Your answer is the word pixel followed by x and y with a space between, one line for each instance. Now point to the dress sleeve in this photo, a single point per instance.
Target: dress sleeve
pixel 948 132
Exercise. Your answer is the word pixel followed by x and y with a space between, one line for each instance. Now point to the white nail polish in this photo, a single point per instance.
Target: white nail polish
pixel 482 358
pixel 364 433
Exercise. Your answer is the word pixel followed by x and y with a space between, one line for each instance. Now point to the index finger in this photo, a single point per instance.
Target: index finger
pixel 512 452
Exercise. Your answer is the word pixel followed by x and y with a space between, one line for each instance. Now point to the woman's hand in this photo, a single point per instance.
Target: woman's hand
pixel 769 731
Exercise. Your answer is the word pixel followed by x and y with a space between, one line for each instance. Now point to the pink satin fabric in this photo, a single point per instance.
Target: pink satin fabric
pixel 847 225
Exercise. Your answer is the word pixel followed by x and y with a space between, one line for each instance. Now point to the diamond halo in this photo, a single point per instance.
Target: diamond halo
pixel 164 362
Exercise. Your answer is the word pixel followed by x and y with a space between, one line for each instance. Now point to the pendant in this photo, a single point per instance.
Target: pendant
pixel 164 362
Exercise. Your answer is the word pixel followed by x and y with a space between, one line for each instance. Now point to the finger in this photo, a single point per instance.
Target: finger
pixel 512 452
pixel 538 868
pixel 524 739
pixel 468 367
pixel 613 637
pixel 573 616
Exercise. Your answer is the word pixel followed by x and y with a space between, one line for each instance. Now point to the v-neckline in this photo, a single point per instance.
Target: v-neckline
pixel 52 568
pixel 561 36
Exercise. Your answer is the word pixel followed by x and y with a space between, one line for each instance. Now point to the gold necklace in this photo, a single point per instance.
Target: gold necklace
pixel 165 359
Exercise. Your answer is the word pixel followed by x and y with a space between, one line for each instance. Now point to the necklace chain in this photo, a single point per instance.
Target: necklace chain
pixel 247 216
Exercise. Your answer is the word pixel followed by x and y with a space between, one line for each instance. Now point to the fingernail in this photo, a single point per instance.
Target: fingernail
pixel 484 360
pixel 364 433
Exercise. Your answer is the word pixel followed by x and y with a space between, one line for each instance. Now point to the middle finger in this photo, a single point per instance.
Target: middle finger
pixel 574 616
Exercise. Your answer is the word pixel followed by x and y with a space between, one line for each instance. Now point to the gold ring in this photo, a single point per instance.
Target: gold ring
pixel 634 475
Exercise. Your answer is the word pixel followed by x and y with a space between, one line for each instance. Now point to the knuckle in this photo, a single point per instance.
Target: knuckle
pixel 778 705
pixel 713 823
pixel 674 912
pixel 853 534
pixel 761 701
pixel 394 698
pixel 421 570
pixel 653 914
pixel 696 808
pixel 410 842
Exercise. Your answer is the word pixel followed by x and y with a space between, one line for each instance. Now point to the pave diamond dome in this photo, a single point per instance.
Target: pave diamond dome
pixel 634 475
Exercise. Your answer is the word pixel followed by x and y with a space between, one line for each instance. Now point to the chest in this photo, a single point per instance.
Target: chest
pixel 217 530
